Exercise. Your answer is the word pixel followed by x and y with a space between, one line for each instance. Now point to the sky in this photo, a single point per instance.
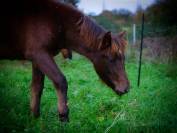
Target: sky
pixel 96 6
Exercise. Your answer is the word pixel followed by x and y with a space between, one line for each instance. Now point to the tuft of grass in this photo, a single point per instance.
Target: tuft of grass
pixel 93 106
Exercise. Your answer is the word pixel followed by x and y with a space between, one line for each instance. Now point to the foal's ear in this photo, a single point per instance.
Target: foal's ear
pixel 122 34
pixel 121 37
pixel 106 40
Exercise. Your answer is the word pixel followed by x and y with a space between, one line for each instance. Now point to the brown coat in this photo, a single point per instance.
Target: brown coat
pixel 36 30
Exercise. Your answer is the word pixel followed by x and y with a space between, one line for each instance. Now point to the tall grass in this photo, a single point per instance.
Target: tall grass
pixel 93 106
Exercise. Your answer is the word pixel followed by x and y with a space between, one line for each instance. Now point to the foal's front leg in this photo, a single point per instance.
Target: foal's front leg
pixel 48 66
pixel 36 89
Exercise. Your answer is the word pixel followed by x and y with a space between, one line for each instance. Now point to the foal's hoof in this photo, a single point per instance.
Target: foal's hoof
pixel 36 115
pixel 64 117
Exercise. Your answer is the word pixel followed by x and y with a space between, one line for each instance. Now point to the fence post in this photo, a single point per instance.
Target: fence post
pixel 134 34
pixel 141 48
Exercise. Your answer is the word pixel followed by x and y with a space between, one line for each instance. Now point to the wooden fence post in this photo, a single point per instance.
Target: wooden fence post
pixel 134 34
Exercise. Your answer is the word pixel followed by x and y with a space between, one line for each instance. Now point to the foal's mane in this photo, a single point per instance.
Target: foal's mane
pixel 89 31
pixel 93 34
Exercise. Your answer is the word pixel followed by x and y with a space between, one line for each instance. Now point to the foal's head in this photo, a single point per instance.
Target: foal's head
pixel 109 62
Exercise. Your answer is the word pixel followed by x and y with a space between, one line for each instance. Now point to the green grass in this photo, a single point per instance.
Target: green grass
pixel 93 107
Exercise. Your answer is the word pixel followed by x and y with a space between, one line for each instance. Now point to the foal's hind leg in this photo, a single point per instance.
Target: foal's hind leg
pixel 48 66
pixel 36 89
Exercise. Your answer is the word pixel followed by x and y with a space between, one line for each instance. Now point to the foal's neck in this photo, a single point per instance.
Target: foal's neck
pixel 91 33
pixel 88 39
pixel 82 34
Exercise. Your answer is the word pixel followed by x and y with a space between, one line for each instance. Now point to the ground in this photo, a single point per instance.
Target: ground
pixel 93 106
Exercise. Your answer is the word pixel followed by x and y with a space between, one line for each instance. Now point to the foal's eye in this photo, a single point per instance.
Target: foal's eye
pixel 112 60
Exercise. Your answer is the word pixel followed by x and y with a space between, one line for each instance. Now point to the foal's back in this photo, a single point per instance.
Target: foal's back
pixel 24 22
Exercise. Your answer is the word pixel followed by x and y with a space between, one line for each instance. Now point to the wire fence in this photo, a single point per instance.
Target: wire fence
pixel 159 44
pixel 150 31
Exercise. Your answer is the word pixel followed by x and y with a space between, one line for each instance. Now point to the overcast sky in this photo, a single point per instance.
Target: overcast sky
pixel 96 6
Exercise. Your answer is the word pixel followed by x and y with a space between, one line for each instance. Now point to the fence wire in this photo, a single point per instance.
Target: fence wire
pixel 151 31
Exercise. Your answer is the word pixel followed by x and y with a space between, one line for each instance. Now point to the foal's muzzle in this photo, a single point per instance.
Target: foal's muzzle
pixel 122 90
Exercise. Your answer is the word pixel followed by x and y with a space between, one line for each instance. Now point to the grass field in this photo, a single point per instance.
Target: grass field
pixel 93 107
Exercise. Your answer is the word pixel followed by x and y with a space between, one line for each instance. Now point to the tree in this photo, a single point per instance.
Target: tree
pixel 73 2
pixel 138 16
pixel 123 14
pixel 163 12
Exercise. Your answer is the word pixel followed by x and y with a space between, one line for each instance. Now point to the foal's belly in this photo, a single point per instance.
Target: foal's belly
pixel 9 45
pixel 8 51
